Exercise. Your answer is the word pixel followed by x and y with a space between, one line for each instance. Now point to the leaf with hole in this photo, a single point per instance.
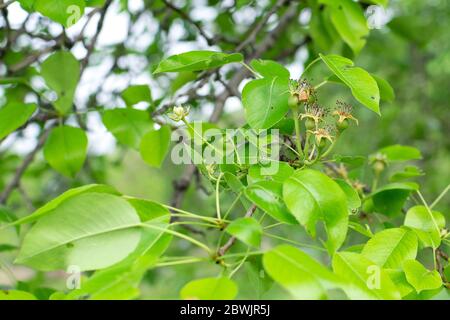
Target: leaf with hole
pixel 363 86
pixel 265 101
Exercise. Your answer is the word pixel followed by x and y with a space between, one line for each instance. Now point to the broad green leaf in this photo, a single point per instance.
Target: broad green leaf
pixel 137 93
pixel 298 273
pixel 65 12
pixel 210 289
pixel 128 125
pixel 390 199
pixel 426 225
pixel 348 18
pixel 269 68
pixel 154 146
pixel 258 282
pixel 27 4
pixel 321 29
pixel 248 230
pixel 259 172
pixel 383 3
pixel 53 204
pixel 386 91
pixel 399 279
pixel 421 278
pixel 364 230
pixel 16 295
pixel 312 196
pixel 61 72
pixel 265 101
pixel 391 247
pixel 196 61
pixel 397 153
pixel 121 281
pixel 353 199
pixel 364 280
pixel 407 173
pixel 90 230
pixel 363 86
pixel 66 149
pixel 182 79
pixel 351 162
pixel 13 116
pixel 267 195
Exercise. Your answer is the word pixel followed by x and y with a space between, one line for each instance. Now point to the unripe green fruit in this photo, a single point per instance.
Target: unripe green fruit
pixel 322 143
pixel 378 166
pixel 292 102
pixel 343 125
pixel 310 124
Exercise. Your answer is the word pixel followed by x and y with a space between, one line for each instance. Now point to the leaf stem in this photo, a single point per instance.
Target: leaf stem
pixel 179 235
pixel 219 217
pixel 439 198
pixel 250 69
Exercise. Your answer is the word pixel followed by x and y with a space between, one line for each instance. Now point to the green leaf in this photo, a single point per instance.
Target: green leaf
pixel 383 3
pixel 349 21
pixel 61 72
pixel 137 93
pixel 267 195
pixel 65 150
pixel 364 88
pixel 312 196
pixel 426 226
pixel 390 198
pixel 297 272
pixel 154 146
pixel 364 230
pixel 265 101
pixel 53 204
pixel 196 61
pixel 128 125
pixel 407 173
pixel 65 12
pixel 391 247
pixel 269 68
pixel 353 199
pixel 248 230
pixel 121 281
pixel 90 230
pixel 421 278
pixel 361 277
pixel 13 116
pixel 259 172
pixel 398 153
pixel 16 295
pixel 209 289
pixel 386 91
pixel 399 279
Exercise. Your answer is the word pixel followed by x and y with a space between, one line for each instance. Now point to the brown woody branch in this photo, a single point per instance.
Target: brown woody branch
pixel 223 249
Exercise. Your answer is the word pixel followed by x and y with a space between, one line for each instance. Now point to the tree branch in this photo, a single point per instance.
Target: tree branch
pixel 14 183
pixel 223 249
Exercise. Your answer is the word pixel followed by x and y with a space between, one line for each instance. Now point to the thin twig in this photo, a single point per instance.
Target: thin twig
pixel 23 167
pixel 223 249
